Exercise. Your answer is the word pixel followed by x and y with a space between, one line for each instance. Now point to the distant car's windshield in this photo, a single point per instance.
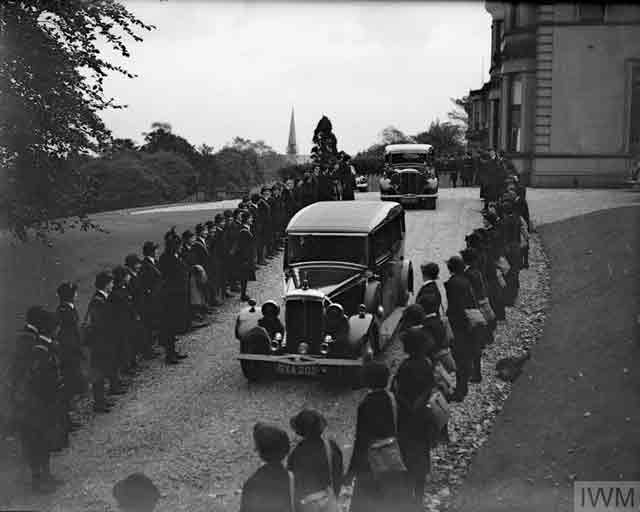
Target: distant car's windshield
pixel 407 158
pixel 349 249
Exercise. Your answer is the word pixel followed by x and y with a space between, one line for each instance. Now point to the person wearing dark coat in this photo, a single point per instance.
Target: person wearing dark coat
pixel 429 293
pixel 265 213
pixel 71 355
pixel 459 298
pixel 174 297
pixel 98 326
pixel 36 394
pixel 150 282
pixel 133 264
pixel 375 421
pixel 510 225
pixel 479 287
pixel 413 380
pixel 244 256
pixel 270 320
pixel 270 488
pixel 312 471
pixel 123 318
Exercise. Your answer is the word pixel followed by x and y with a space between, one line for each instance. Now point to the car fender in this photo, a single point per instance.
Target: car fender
pixel 247 319
pixel 358 328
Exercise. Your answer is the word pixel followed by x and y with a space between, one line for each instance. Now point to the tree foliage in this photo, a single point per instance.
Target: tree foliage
pixel 324 151
pixel 445 137
pixel 52 91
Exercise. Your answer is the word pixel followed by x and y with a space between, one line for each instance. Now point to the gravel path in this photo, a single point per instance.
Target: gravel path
pixel 189 427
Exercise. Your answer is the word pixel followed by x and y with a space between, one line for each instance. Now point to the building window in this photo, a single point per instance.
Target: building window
pixel 515 115
pixel 591 12
pixel 634 110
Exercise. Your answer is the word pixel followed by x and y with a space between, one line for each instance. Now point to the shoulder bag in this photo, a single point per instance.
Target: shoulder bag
pixel 325 500
pixel 384 454
pixel 436 410
pixel 443 379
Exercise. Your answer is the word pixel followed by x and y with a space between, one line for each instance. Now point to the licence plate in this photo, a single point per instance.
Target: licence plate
pixel 289 369
pixel 411 200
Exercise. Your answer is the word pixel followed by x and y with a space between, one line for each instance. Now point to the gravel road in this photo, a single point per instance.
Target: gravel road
pixel 189 427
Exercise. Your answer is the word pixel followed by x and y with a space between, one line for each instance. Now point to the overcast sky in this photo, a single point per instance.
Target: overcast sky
pixel 216 70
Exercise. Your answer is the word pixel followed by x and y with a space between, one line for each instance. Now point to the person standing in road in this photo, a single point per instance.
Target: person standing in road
pixel 459 298
pixel 35 394
pixel 244 256
pixel 150 284
pixel 429 292
pixel 413 381
pixel 133 265
pixel 316 463
pixel 270 488
pixel 98 326
pixel 72 356
pixel 480 335
pixel 348 179
pixel 123 318
pixel 375 421
pixel 174 274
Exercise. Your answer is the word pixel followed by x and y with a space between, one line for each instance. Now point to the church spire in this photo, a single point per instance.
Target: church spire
pixel 292 146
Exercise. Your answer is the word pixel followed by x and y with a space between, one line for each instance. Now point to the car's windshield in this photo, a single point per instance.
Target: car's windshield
pixel 350 249
pixel 407 158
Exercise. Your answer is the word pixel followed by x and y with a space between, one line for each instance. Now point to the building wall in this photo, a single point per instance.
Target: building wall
pixel 590 87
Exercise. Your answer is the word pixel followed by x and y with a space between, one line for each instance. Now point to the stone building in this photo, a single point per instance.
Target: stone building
pixel 563 99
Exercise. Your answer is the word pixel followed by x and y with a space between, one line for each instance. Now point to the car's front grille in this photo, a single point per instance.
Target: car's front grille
pixel 411 183
pixel 304 321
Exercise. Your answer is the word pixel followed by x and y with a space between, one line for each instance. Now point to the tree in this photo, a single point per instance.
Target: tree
pixel 325 145
pixel 51 82
pixel 391 135
pixel 160 138
pixel 461 112
pixel 445 137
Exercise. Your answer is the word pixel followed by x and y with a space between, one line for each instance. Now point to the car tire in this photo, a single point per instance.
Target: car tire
pixel 431 203
pixel 251 370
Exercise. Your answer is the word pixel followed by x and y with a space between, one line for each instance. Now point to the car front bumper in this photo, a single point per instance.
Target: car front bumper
pixel 298 364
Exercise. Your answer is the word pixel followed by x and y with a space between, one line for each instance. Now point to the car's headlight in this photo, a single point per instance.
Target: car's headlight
pixel 303 348
pixel 325 347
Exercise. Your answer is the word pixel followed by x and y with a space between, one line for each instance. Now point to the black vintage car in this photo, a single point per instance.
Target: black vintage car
pixel 409 176
pixel 345 282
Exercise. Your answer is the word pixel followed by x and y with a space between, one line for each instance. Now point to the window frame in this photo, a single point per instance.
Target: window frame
pixel 582 18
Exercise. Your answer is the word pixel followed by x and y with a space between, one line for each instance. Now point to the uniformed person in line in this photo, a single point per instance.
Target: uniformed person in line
pixel 133 264
pixel 264 211
pixel 123 320
pixel 150 279
pixel 174 297
pixel 98 328
pixel 246 267
pixel 228 242
pixel 36 389
pixel 72 356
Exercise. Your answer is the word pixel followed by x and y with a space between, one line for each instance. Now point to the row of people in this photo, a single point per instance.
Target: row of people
pixel 149 299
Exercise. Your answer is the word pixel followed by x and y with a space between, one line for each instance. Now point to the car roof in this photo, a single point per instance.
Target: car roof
pixel 356 217
pixel 406 148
